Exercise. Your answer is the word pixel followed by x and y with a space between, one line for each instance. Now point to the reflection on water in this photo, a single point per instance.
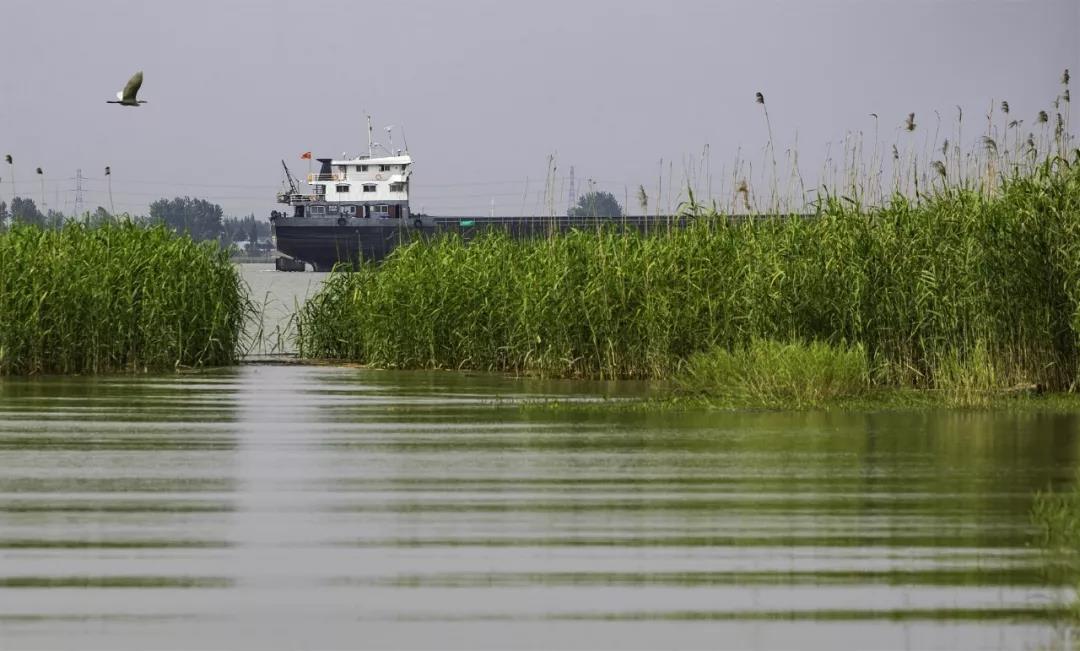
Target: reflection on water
pixel 287 506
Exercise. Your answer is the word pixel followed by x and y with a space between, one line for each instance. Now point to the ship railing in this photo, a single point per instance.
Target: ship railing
pixel 295 199
pixel 314 178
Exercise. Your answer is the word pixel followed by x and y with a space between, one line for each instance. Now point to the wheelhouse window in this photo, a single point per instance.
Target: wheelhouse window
pixel 361 168
pixel 384 168
pixel 317 210
pixel 342 188
pixel 320 189
pixel 369 187
pixel 397 187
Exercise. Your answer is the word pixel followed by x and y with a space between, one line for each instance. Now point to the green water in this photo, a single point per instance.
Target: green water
pixel 301 507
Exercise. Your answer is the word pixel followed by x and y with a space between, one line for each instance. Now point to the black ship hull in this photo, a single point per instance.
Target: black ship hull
pixel 326 242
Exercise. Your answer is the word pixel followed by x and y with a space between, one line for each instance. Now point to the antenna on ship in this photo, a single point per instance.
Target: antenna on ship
pixel 390 138
pixel 370 152
pixel 404 142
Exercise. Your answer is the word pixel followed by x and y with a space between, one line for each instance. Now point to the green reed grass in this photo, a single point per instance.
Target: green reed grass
pixel 959 274
pixel 965 280
pixel 115 298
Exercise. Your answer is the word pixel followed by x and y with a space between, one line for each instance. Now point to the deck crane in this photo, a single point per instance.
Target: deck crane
pixel 289 179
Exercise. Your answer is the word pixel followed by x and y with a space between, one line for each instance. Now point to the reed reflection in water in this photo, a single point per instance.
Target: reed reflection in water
pixel 293 506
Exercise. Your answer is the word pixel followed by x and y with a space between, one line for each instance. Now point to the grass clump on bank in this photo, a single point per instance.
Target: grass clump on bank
pixel 115 298
pixel 772 374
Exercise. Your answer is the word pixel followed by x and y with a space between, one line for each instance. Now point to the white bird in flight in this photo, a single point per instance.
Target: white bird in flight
pixel 126 97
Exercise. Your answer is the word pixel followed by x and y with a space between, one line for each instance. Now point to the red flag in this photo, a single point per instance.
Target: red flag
pixel 305 156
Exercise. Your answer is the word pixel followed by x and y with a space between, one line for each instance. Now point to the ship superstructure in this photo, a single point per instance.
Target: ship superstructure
pixel 363 187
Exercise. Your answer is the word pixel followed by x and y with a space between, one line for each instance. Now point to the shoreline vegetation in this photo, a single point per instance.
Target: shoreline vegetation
pixel 961 292
pixel 962 284
pixel 956 283
pixel 119 297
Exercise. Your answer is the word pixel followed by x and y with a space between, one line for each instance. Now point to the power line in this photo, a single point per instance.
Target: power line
pixel 184 184
pixel 456 196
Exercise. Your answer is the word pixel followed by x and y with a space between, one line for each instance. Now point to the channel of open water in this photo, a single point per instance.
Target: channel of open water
pixel 287 506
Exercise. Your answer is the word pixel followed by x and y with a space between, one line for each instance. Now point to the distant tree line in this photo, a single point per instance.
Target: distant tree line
pixel 597 205
pixel 24 211
pixel 199 218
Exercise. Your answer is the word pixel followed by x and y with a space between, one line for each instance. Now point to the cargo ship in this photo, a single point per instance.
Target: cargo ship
pixel 357 210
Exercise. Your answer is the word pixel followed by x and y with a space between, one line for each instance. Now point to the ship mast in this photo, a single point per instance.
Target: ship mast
pixel 369 150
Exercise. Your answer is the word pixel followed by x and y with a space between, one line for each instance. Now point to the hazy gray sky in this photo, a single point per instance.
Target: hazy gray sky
pixel 487 90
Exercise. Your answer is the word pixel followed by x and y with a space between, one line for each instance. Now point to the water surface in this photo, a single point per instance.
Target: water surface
pixel 299 507
pixel 278 296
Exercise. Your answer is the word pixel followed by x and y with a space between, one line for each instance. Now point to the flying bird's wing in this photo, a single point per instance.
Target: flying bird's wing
pixel 132 87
